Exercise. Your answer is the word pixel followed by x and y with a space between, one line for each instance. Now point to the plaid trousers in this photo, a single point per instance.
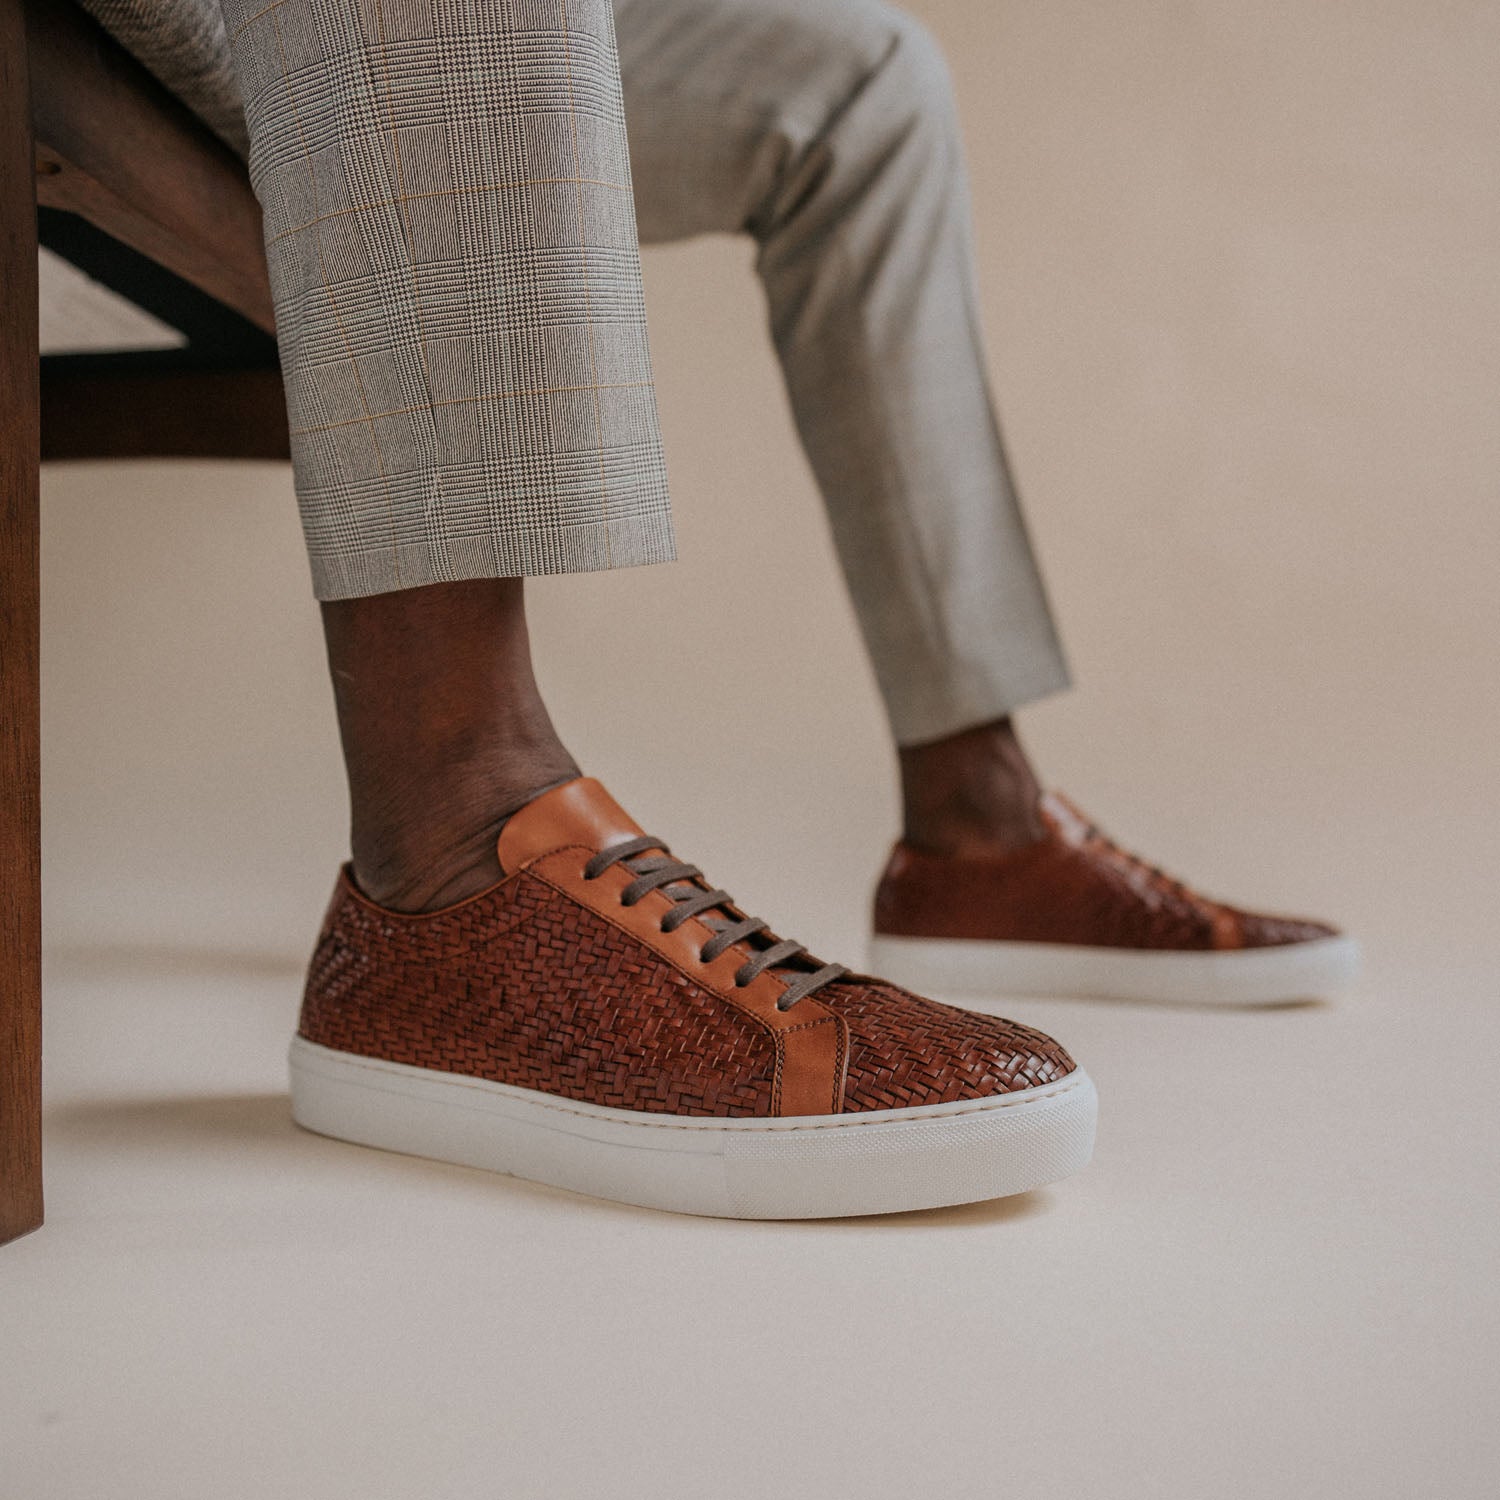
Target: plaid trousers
pixel 451 229
pixel 453 253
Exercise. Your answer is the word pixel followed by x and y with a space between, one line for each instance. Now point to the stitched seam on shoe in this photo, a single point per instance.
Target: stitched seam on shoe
pixel 840 1066
pixel 838 1056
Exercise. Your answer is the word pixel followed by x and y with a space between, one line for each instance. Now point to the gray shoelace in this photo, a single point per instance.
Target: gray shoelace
pixel 684 886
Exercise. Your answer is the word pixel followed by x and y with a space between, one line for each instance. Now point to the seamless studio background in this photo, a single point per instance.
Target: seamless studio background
pixel 1239 273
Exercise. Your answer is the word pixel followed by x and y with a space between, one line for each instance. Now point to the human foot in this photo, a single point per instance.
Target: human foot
pixel 1072 913
pixel 603 1020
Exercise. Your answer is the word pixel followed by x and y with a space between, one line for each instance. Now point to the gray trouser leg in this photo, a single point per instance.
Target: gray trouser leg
pixel 827 132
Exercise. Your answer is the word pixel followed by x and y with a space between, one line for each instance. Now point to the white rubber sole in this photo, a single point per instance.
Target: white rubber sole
pixel 1247 976
pixel 805 1167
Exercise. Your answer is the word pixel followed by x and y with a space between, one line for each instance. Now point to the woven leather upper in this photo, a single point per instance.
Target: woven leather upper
pixel 904 1050
pixel 1073 885
pixel 527 985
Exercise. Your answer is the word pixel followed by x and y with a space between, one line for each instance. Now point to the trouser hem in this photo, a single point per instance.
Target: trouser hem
pixel 948 705
pixel 621 542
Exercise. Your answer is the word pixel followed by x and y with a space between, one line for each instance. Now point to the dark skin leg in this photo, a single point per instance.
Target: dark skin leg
pixel 444 734
pixel 971 794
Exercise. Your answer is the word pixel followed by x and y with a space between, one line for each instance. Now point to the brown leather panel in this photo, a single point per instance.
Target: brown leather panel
pixel 1072 886
pixel 577 812
pixel 814 1057
pixel 905 1051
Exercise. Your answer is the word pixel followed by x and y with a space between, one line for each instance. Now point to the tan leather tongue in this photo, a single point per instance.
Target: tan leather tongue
pixel 577 812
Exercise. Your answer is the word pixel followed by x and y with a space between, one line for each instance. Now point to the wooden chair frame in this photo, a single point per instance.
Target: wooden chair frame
pixel 83 127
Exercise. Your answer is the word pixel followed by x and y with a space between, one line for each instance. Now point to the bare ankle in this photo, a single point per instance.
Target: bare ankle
pixel 972 793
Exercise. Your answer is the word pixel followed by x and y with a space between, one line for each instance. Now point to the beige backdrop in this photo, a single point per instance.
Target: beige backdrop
pixel 1239 268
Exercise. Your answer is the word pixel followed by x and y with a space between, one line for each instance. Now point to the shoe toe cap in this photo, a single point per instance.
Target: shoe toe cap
pixel 906 1052
pixel 1257 930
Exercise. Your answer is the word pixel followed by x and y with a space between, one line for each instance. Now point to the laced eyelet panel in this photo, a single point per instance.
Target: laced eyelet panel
pixel 1134 868
pixel 654 868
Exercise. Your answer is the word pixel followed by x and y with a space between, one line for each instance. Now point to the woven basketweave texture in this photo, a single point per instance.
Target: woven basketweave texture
pixel 525 986
pixel 1073 885
pixel 905 1051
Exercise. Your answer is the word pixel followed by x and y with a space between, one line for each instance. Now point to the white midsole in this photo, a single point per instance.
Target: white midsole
pixel 1241 976
pixel 809 1166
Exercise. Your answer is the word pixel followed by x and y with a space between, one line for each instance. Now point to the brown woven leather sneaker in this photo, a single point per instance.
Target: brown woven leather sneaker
pixel 605 1020
pixel 1075 914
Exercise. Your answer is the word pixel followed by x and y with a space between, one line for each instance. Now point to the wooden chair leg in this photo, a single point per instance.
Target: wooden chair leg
pixel 20 760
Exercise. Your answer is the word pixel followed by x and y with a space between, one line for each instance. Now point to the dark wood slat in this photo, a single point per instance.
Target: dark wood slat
pixel 20 685
pixel 113 146
pixel 177 414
